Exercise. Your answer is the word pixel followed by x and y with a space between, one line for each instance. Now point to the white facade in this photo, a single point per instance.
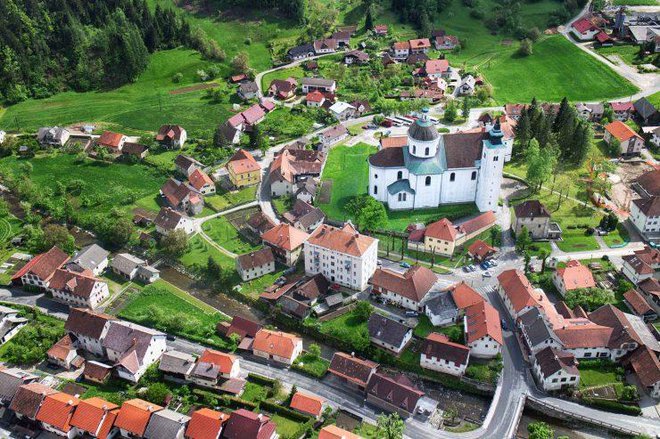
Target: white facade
pixel 297 350
pixel 631 274
pixel 442 365
pixel 347 270
pixel 155 350
pixel 2 136
pixel 98 294
pixel 555 381
pixel 73 432
pixel 255 272
pixel 186 224
pixel 485 347
pixel 645 224
pixel 402 301
pixel 391 347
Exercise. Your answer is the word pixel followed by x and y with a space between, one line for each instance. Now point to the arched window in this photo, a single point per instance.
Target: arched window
pixel 399 175
pixel 426 151
pixel 414 149
pixel 474 175
pixel 452 176
pixel 428 180
pixel 375 190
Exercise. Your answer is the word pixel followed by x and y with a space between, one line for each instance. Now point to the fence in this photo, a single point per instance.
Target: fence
pixel 336 313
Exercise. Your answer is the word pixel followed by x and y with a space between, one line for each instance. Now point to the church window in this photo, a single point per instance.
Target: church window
pixel 428 180
pixel 399 175
pixel 452 176
pixel 474 175
pixel 375 190
pixel 426 151
pixel 375 175
pixel 496 158
pixel 414 149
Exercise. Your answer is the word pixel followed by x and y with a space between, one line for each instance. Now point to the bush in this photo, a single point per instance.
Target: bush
pixel 177 77
pixel 613 406
pixel 283 411
pixel 260 379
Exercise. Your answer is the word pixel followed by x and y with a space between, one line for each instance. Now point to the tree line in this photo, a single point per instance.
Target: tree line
pixel 48 46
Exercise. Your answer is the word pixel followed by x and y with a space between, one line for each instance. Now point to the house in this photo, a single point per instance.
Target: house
pixel 286 242
pixel 176 366
pixel 201 182
pixel 388 334
pixel 293 165
pixel 315 99
pixel 393 394
pixel 78 289
pixel 584 30
pixel 206 424
pixel 56 412
pixel 590 112
pixel 655 136
pixel 622 110
pixel 627 331
pixel 40 269
pixel 442 355
pixel 243 169
pixel 255 264
pixel 133 348
pixel 519 295
pixel 603 39
pixel 645 211
pixel 172 136
pixel 95 417
pixel 305 190
pixel 321 84
pixel 354 372
pixel 64 354
pixel 483 331
pixel 572 277
pixel 301 52
pixel 638 304
pixel 113 142
pixel 169 220
pixel 242 327
pixel 407 290
pixel 630 143
pixel 445 42
pixel 131 267
pixel 362 107
pixel 380 29
pixel 342 110
pixel 646 367
pixel 28 399
pixel 52 136
pixel 96 372
pixel 342 37
pixel 93 258
pixel 555 369
pixel 88 328
pixel 307 404
pixel 248 90
pixel 480 251
pixel 166 424
pixel 325 45
pixel 441 309
pixel 283 89
pixel 535 217
pixel 645 112
pixel 244 424
pixel 304 216
pixel 3 135
pixel 334 432
pixel 642 264
pixel 10 323
pixel 467 86
pixel 342 255
pixel 356 57
pixel 333 135
pixel 276 345
pixel 259 223
pixel 11 379
pixel 420 45
pixel 182 197
pixel 186 165
pixel 536 331
pixel 436 68
pixel 134 416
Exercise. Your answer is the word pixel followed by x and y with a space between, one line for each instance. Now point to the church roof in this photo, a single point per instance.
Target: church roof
pixel 388 158
pixel 462 150
pixel 423 166
pixel 422 129
pixel 400 186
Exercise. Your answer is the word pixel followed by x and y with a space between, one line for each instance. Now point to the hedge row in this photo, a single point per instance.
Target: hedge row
pixel 613 406
pixel 284 411
pixel 260 379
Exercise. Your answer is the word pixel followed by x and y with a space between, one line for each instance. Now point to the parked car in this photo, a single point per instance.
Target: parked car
pixel 503 323
pixel 404 264
pixel 484 266
pixel 472 267
pixel 487 274
pixel 412 314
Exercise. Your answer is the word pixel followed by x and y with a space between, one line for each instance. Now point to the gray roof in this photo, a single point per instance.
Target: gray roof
pixel 90 257
pixel 11 380
pixel 334 299
pixel 177 362
pixel 387 330
pixel 248 87
pixel 423 130
pixel 535 326
pixel 126 263
pixel 147 270
pixel 400 186
pixel 166 424
pixel 206 370
pixel 125 337
pixel 644 108
pixel 442 305
pixel 4 310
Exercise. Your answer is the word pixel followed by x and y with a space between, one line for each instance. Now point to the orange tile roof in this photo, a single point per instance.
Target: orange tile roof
pixel 62 348
pixel 575 275
pixel 242 162
pixel 638 304
pixel 108 138
pixel 393 141
pixel 334 432
pixel 442 229
pixel 277 343
pixel 414 284
pixel 107 424
pixel 620 130
pixel 482 320
pixel 420 43
pixel 198 179
pixel 134 415
pixel 464 295
pixel 206 424
pixel 315 96
pixel 91 413
pixel 345 240
pixel 57 409
pixel 478 222
pixel 436 66
pixel 285 236
pixel 588 335
pixel 518 289
pixel 307 404
pixel 480 249
pixel 224 361
pixel 43 265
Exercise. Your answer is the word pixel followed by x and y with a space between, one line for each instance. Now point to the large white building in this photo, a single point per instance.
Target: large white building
pixel 343 256
pixel 433 169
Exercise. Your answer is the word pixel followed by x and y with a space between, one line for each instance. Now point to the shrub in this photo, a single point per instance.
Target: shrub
pixel 177 77
pixel 613 406
pixel 260 379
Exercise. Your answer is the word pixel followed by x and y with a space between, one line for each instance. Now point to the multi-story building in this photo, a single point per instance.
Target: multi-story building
pixel 78 289
pixel 483 331
pixel 442 355
pixel 407 290
pixel 555 369
pixel 243 169
pixel 40 269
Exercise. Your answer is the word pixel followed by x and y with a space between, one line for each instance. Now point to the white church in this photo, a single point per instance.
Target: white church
pixel 433 169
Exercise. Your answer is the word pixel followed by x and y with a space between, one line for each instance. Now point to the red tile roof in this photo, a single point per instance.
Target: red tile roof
pixel 224 361
pixel 401 45
pixel 420 43
pixel 277 343
pixel 198 179
pixel 77 284
pixel 483 320
pixel 43 265
pixel 352 368
pixel 169 132
pixel 477 223
pixel 244 424
pixel 28 398
pixel 110 139
pixel 480 249
pixel 242 162
pixel 134 416
pixel 438 345
pixel 436 66
pixel 334 432
pixel 637 303
pixel 393 141
pixel 583 25
pixel 464 296
pixel 584 336
pixel 646 366
pixel 343 240
pixel 442 229
pixel 253 114
pixel 309 404
pixel 518 289
pixel 61 349
pixel 621 131
pixel 315 96
pixel 622 106
pixel 285 236
pixel 414 284
pixel 57 409
pixel 575 275
pixel 206 424
pixel 91 413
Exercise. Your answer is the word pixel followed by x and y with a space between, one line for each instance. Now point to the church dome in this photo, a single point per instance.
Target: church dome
pixel 422 129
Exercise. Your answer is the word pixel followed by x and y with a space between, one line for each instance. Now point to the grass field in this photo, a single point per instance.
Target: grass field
pixel 226 236
pixel 598 373
pixel 199 252
pixel 141 106
pixel 627 53
pixel 223 199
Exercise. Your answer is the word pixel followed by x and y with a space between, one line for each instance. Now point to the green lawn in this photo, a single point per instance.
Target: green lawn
pixel 226 236
pixel 424 328
pixel 141 106
pixel 594 373
pixel 254 392
pixel 224 200
pixel 618 237
pixel 30 345
pixel 627 53
pixel 347 328
pixel 199 252
pixel 285 427
pixel 315 366
pixel 167 308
